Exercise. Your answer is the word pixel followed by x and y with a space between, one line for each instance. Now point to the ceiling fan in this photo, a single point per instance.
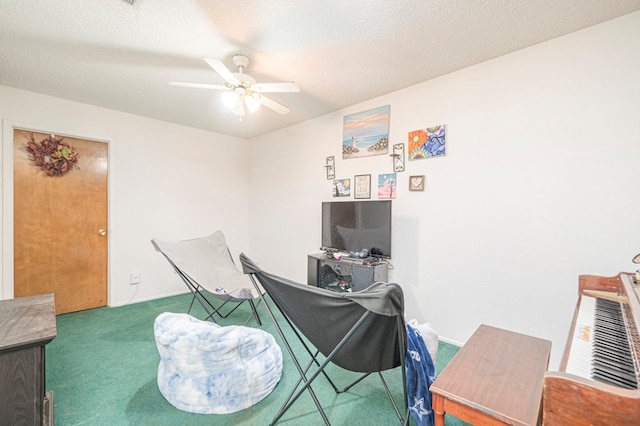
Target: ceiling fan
pixel 242 89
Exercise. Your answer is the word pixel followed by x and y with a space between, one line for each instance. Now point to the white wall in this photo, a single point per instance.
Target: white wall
pixel 165 181
pixel 537 187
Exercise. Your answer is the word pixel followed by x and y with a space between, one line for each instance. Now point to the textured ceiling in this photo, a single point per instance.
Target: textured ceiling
pixel 120 56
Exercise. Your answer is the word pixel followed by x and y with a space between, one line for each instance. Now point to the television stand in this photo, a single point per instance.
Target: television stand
pixel 346 274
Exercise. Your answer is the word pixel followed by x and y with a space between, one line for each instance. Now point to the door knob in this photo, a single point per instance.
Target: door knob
pixel 102 232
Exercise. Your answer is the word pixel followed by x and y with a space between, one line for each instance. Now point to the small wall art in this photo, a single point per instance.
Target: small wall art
pixel 387 185
pixel 342 187
pixel 427 143
pixel 416 183
pixel 362 186
pixel 331 168
pixel 366 133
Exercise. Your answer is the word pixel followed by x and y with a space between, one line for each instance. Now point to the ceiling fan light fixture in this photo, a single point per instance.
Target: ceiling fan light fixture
pixel 238 109
pixel 230 99
pixel 253 102
pixel 241 90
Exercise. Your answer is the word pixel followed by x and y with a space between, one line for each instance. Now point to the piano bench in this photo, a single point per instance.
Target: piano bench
pixel 495 379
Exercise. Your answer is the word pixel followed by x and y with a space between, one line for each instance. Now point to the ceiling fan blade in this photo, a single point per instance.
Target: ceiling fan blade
pixel 276 106
pixel 224 72
pixel 288 86
pixel 198 85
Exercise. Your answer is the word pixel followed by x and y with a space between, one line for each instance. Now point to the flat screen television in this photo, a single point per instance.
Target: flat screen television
pixel 356 225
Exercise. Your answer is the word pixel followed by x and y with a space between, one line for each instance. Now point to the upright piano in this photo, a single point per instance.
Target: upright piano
pixel 599 375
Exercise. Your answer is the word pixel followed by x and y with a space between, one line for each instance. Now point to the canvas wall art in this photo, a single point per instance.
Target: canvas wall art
pixel 342 187
pixel 387 185
pixel 366 133
pixel 427 143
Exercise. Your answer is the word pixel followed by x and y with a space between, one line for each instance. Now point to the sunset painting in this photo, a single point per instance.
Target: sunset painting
pixel 366 133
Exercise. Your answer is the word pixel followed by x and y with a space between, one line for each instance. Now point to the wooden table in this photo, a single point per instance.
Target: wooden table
pixel 496 378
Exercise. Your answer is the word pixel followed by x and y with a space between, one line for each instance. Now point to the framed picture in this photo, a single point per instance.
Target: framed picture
pixel 362 186
pixel 416 183
pixel 342 187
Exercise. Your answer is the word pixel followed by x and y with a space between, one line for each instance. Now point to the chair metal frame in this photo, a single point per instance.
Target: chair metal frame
pixel 320 365
pixel 209 307
pixel 211 310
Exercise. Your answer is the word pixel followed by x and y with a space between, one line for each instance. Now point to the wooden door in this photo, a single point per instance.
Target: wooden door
pixel 60 225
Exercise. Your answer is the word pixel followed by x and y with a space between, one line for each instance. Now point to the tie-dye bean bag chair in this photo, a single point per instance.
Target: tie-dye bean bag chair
pixel 210 369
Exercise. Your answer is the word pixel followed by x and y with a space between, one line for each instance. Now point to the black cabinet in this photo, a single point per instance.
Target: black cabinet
pixel 344 274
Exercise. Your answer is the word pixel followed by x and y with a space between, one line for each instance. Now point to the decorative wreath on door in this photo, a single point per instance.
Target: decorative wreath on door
pixel 52 155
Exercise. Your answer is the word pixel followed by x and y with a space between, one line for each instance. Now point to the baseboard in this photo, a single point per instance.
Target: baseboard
pixel 450 341
pixel 146 299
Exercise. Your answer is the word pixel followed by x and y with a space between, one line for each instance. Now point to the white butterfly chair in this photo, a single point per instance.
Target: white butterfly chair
pixel 207 268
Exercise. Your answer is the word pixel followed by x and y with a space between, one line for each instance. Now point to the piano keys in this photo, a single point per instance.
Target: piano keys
pixel 601 349
pixel 599 376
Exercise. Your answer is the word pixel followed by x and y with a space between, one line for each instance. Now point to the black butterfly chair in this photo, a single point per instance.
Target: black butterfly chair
pixel 207 268
pixel 362 331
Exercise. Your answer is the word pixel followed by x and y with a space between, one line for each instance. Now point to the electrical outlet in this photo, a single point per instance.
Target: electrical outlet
pixel 134 277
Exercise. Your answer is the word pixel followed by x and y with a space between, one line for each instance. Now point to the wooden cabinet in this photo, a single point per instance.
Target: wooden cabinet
pixel 27 324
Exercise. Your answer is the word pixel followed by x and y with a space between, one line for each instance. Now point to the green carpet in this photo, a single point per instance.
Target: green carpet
pixel 102 369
